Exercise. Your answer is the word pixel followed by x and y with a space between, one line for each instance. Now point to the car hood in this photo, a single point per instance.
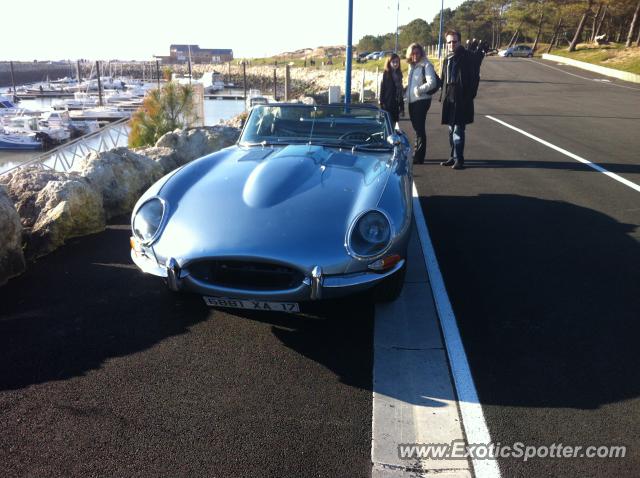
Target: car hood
pixel 291 204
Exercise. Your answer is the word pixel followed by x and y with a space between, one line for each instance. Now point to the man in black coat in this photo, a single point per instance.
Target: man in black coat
pixel 460 78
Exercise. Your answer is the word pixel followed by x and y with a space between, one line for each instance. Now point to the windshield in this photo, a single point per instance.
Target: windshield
pixel 327 125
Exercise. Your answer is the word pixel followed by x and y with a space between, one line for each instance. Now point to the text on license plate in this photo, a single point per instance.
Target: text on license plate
pixel 251 304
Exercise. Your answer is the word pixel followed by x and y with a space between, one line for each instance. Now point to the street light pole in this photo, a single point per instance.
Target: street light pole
pixel 347 86
pixel 440 35
pixel 397 17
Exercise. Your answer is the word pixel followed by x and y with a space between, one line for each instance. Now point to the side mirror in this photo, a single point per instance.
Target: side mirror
pixel 394 139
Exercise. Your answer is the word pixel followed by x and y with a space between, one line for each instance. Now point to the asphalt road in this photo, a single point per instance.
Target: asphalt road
pixel 105 373
pixel 540 255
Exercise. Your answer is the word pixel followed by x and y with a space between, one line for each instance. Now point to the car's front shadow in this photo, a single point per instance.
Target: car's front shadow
pixel 337 334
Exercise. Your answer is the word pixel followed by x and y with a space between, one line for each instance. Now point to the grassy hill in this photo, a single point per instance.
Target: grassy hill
pixel 614 56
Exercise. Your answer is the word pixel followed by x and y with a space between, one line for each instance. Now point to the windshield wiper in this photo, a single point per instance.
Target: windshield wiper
pixel 317 142
pixel 293 140
pixel 257 143
pixel 372 147
pixel 355 147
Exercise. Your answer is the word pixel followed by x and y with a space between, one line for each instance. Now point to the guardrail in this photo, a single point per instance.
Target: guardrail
pixel 62 157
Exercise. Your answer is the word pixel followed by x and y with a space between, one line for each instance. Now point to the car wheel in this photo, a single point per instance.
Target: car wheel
pixel 509 54
pixel 390 289
pixel 530 55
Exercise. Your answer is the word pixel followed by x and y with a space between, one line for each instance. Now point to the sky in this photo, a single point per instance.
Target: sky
pixel 139 29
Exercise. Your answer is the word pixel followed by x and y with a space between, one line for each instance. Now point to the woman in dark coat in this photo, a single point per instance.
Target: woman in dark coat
pixel 391 92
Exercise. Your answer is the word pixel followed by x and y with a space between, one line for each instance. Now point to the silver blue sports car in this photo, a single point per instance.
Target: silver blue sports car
pixel 313 202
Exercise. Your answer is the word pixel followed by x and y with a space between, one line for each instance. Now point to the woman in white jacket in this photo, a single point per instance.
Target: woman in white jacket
pixel 422 84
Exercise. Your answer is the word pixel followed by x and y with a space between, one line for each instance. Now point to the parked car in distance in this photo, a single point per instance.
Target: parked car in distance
pixel 362 57
pixel 378 55
pixel 518 50
pixel 313 202
pixel 373 55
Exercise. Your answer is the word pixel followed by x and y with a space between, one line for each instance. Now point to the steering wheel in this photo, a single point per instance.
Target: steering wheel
pixel 357 135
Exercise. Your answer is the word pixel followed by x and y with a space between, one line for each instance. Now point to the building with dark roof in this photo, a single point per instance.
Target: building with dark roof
pixel 180 54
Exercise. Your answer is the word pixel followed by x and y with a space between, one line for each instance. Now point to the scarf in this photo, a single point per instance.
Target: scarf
pixel 451 80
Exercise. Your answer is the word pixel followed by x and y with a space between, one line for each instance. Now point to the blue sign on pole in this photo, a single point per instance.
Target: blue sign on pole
pixel 347 82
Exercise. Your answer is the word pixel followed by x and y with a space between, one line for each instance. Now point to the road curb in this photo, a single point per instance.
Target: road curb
pixel 414 401
pixel 621 75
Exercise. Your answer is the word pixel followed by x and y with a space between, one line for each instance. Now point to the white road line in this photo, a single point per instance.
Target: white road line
pixel 597 167
pixel 470 408
pixel 599 80
pixel 414 400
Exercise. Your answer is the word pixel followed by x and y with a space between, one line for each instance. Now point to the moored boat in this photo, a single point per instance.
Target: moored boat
pixel 255 97
pixel 20 141
pixel 48 135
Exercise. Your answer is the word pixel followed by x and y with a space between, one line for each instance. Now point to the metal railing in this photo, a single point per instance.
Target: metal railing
pixel 62 158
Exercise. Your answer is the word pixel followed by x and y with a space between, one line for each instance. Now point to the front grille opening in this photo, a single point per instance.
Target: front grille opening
pixel 246 275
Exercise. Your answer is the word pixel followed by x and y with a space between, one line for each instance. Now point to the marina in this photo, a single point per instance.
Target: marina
pixel 62 158
pixel 215 111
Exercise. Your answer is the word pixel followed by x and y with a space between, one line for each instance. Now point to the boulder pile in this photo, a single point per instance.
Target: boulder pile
pixel 53 206
pixel 119 176
pixel 40 209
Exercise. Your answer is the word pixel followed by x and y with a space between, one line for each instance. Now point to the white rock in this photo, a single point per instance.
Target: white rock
pixel 194 143
pixel 69 208
pixel 53 207
pixel 121 176
pixel 166 157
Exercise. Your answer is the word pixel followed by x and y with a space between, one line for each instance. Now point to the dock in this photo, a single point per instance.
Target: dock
pixel 224 96
pixel 34 95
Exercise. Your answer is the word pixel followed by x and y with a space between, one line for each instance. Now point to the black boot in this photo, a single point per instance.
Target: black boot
pixel 458 164
pixel 448 162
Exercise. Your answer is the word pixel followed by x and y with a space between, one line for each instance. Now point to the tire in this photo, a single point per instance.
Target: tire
pixel 509 55
pixel 390 289
pixel 529 55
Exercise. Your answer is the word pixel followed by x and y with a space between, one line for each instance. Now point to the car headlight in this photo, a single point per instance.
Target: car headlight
pixel 370 235
pixel 148 219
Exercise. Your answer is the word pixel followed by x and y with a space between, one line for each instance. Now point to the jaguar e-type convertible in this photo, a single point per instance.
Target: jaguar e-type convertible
pixel 313 202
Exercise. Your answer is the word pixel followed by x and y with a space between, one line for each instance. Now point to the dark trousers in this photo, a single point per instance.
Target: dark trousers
pixel 418 115
pixel 394 114
pixel 456 141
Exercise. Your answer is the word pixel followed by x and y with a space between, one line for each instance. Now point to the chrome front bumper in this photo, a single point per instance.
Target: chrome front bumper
pixel 314 287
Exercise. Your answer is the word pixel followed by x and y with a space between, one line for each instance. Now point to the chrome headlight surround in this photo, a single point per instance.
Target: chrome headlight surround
pixel 354 241
pixel 154 214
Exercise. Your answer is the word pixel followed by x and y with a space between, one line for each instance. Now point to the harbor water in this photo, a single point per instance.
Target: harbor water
pixel 215 111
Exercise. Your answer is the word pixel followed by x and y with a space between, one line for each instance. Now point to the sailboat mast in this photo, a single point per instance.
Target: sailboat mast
pixel 189 63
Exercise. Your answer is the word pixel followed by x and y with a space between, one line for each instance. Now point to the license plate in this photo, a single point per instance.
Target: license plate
pixel 251 304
